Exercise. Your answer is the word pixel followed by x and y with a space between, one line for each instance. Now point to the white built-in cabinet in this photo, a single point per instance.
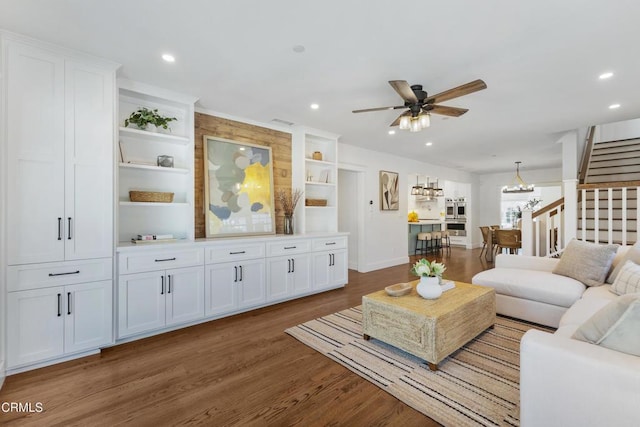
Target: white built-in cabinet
pixel 231 276
pixel 59 110
pixel 138 169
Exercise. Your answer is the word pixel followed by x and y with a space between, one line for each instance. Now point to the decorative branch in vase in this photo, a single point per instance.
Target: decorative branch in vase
pixel 288 200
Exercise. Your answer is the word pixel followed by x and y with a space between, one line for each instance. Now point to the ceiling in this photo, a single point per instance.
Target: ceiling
pixel 540 59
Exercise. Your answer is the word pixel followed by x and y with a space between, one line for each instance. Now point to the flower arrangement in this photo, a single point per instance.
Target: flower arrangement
pixel 424 268
pixel 413 216
pixel 288 200
pixel 530 205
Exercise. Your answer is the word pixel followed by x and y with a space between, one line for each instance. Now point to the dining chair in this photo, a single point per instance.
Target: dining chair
pixel 485 230
pixel 508 239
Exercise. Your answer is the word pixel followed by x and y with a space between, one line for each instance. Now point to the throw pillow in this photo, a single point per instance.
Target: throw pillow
pixel 632 254
pixel 586 262
pixel 628 280
pixel 615 326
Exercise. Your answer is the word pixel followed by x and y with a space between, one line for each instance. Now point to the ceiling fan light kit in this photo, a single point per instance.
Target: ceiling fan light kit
pixel 420 106
pixel 520 186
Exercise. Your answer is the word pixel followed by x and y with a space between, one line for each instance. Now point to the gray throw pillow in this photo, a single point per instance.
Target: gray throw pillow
pixel 615 326
pixel 632 254
pixel 628 280
pixel 586 262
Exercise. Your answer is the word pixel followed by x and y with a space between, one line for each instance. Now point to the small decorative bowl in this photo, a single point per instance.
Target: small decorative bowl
pixel 399 289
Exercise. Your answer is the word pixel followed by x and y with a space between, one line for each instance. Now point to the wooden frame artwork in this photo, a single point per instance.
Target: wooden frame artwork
pixel 389 195
pixel 238 188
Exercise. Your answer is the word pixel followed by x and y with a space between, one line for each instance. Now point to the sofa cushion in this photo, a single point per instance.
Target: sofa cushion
pixel 593 299
pixel 615 326
pixel 535 285
pixel 628 279
pixel 587 262
pixel 624 254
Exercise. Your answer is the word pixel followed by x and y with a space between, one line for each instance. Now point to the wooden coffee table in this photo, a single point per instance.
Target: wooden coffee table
pixel 429 329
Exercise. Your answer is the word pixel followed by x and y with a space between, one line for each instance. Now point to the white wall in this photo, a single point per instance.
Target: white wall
pixel 348 212
pixel 486 209
pixel 386 233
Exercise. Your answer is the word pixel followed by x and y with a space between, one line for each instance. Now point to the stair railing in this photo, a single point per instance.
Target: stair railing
pixel 542 230
pixel 586 155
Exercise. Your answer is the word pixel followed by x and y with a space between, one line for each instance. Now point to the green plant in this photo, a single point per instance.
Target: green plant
pixel 424 268
pixel 143 117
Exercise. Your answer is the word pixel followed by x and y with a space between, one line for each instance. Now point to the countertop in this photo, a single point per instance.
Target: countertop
pixel 426 221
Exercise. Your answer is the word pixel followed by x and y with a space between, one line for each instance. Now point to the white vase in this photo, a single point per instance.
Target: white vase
pixel 429 287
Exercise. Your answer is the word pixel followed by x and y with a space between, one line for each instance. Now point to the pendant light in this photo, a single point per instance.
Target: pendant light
pixel 437 191
pixel 416 190
pixel 520 186
pixel 427 191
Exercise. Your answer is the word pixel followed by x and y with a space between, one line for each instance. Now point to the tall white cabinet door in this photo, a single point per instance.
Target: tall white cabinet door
pixel 278 282
pixel 252 283
pixel 339 268
pixel 221 288
pixel 321 276
pixel 185 294
pixel 88 162
pixel 141 302
pixel 35 325
pixel 301 275
pixel 88 315
pixel 35 131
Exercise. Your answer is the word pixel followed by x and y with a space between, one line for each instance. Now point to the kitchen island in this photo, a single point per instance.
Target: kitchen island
pixel 422 226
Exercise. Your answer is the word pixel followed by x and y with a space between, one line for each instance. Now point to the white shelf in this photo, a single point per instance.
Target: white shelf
pixel 326 184
pixel 319 207
pixel 154 168
pixel 155 204
pixel 154 136
pixel 320 162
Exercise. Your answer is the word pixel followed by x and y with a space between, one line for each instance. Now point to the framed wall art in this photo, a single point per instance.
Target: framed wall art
pixel 238 188
pixel 389 196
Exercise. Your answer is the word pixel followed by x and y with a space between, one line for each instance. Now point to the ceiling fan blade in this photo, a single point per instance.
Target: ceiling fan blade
pixel 404 90
pixel 378 109
pixel 448 111
pixel 465 89
pixel 397 121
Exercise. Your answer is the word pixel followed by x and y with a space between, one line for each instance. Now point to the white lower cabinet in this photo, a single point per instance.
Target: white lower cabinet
pixel 288 276
pixel 52 322
pixel 330 269
pixel 156 299
pixel 232 286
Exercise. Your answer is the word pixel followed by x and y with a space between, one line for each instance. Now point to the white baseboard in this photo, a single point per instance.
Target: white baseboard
pixel 384 264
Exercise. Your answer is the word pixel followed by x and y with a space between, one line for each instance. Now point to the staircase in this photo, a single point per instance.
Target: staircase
pixel 608 212
pixel 614 161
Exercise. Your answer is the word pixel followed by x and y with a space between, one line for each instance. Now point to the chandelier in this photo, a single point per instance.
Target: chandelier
pixel 429 190
pixel 415 123
pixel 520 186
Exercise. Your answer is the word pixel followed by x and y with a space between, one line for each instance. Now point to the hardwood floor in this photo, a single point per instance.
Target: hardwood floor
pixel 241 370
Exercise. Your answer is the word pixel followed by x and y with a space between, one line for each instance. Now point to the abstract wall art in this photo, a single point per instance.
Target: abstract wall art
pixel 389 196
pixel 238 188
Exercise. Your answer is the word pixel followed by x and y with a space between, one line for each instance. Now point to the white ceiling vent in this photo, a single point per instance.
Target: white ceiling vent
pixel 282 122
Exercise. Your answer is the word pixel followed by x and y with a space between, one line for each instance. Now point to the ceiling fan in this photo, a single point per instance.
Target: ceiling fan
pixel 420 105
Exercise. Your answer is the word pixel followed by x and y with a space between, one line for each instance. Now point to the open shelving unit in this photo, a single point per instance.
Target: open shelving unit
pixel 138 151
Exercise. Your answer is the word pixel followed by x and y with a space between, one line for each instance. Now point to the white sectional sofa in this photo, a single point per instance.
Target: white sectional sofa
pixel 564 382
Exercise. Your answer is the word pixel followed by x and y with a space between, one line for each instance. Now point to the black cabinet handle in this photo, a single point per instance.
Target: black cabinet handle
pixel 289 247
pixel 161 285
pixel 69 229
pixel 59 304
pixel 241 273
pixel 293 265
pixel 68 302
pixel 331 243
pixel 169 278
pixel 289 266
pixel 64 274
pixel 237 253
pixel 59 228
pixel 235 267
pixel 166 259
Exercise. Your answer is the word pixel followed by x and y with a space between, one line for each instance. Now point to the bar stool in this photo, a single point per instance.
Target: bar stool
pixel 436 240
pixel 424 241
pixel 446 241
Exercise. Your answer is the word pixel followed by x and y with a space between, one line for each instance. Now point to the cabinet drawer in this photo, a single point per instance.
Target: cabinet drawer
pixel 234 252
pixel 159 260
pixel 37 276
pixel 329 243
pixel 287 247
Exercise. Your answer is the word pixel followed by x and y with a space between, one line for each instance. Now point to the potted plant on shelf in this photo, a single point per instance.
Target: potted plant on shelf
pixel 143 117
pixel 430 274
pixel 288 200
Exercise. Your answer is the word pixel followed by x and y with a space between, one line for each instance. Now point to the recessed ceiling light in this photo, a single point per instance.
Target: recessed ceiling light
pixel 614 106
pixel 298 48
pixel 169 58
pixel 606 75
pixel 392 132
pixel 314 106
pixel 429 144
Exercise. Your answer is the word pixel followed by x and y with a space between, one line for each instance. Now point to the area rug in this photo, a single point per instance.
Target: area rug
pixel 476 386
